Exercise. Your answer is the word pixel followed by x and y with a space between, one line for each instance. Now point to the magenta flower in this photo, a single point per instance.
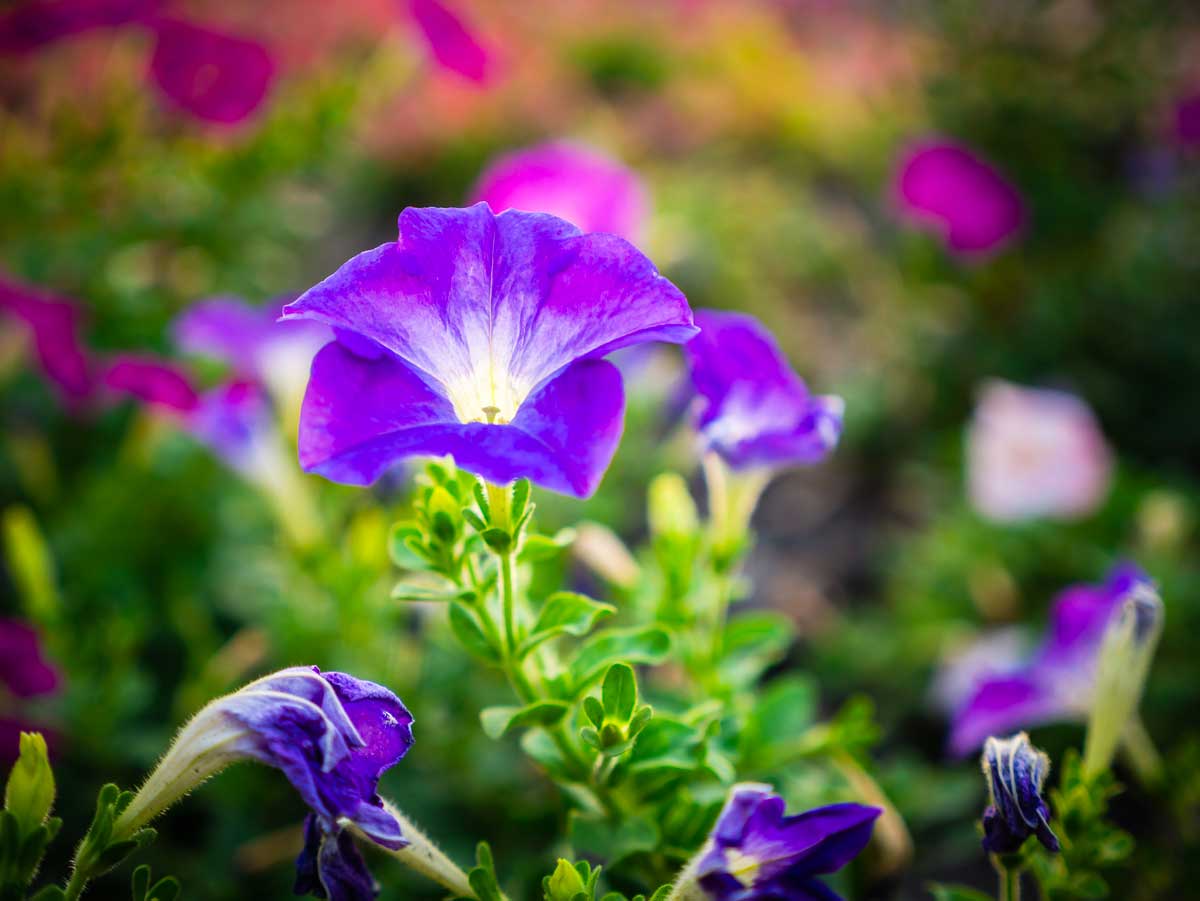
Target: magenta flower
pixel 1057 682
pixel 754 411
pixel 573 182
pixel 54 325
pixel 214 76
pixel 1033 453
pixel 480 336
pixel 33 24
pixel 1187 120
pixel 24 673
pixel 155 383
pixel 453 45
pixel 946 187
pixel 755 853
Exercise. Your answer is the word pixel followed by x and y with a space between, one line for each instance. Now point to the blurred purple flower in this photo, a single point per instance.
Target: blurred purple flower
pixel 451 41
pixel 1057 682
pixel 156 383
pixel 1016 772
pixel 54 325
pixel 479 336
pixel 573 182
pixel 755 852
pixel 24 673
pixel 948 187
pixel 214 76
pixel 1187 120
pixel 1035 452
pixel 35 23
pixel 754 410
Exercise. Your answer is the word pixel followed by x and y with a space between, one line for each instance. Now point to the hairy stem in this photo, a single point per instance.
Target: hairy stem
pixel 422 855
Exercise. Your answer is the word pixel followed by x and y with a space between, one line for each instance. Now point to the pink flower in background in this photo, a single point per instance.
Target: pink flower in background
pixel 214 76
pixel 571 181
pixel 451 41
pixel 1034 452
pixel 1187 120
pixel 34 24
pixel 948 188
pixel 24 673
pixel 54 327
pixel 157 384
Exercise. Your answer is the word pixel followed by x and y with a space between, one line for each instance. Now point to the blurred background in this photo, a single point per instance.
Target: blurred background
pixel 936 206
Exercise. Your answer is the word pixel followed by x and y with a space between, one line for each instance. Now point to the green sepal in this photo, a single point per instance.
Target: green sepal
pixel 619 693
pixel 499 540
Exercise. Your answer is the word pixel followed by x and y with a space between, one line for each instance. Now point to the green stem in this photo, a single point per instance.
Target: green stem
pixel 76 885
pixel 1139 750
pixel 1009 881
pixel 508 600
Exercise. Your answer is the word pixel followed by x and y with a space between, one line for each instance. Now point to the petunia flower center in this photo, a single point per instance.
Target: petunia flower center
pixel 485 395
pixel 742 867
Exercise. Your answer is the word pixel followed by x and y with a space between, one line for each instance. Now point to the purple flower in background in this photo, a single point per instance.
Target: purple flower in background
pixel 946 186
pixel 1016 772
pixel 451 42
pixel 755 852
pixel 570 181
pixel 1187 120
pixel 35 23
pixel 24 673
pixel 54 326
pixel 1057 682
pixel 214 76
pixel 754 410
pixel 155 383
pixel 479 336
pixel 1034 452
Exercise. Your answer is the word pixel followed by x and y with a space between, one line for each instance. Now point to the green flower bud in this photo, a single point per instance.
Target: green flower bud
pixel 565 883
pixel 30 791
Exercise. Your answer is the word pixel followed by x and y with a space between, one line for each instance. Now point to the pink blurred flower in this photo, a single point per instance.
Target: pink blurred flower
pixel 35 23
pixel 24 673
pixel 571 181
pixel 947 187
pixel 1033 453
pixel 1187 120
pixel 451 41
pixel 153 382
pixel 54 326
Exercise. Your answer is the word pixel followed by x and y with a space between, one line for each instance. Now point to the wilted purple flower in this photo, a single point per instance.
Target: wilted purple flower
pixel 479 336
pixel 1057 682
pixel 754 410
pixel 35 23
pixel 24 673
pixel 1016 772
pixel 948 187
pixel 54 325
pixel 573 182
pixel 214 76
pixel 755 852
pixel 451 42
pixel 330 734
pixel 1033 452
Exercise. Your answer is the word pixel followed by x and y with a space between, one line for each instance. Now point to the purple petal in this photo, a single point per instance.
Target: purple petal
pixel 1006 704
pixel 1187 120
pixel 38 22
pixel 572 182
pixel 362 415
pixel 24 671
pixel 331 866
pixel 211 75
pixel 1080 615
pixel 54 324
pixel 234 421
pixel 152 381
pixel 248 339
pixel 947 186
pixel 451 42
pixel 755 410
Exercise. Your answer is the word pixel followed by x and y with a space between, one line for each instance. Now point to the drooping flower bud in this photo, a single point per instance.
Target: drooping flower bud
pixel 1015 771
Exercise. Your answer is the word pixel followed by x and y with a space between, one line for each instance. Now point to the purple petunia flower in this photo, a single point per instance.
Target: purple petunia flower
pixel 453 45
pixel 24 673
pixel 1035 452
pixel 754 410
pixel 479 336
pixel 1016 772
pixel 1057 682
pixel 755 853
pixel 54 326
pixel 572 182
pixel 1187 120
pixel 330 734
pixel 948 187
pixel 214 76
pixel 35 23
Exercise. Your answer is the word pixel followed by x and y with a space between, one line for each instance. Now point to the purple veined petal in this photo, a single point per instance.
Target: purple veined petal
pixel 570 181
pixel 154 382
pixel 214 76
pixel 1006 704
pixel 360 416
pixel 1034 453
pixel 451 41
pixel 489 307
pixel 54 324
pixel 754 410
pixel 35 23
pixel 24 670
pixel 331 866
pixel 945 185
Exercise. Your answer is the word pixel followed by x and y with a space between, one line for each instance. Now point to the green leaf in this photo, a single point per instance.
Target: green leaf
pixel 140 882
pixel 499 540
pixel 401 539
pixel 648 644
pixel 594 710
pixel 166 889
pixel 956 893
pixel 404 591
pixel 565 613
pixel 470 634
pixel 600 837
pixel 753 642
pixel 537 548
pixel 619 692
pixel 499 721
